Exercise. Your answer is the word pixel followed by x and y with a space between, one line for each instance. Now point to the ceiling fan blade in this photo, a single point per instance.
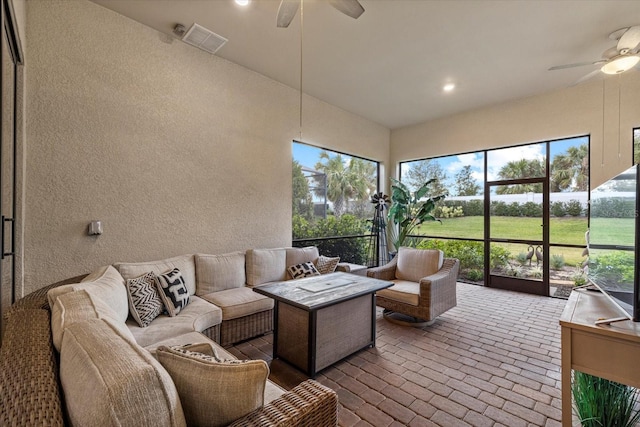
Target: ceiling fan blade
pixel 586 77
pixel 286 11
pixel 350 8
pixel 578 64
pixel 630 39
pixel 610 53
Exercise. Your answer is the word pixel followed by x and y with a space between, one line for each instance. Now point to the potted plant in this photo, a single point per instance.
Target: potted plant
pixel 409 209
pixel 603 403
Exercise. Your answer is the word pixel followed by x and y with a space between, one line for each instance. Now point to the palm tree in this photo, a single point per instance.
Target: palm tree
pixel 571 170
pixel 346 181
pixel 518 169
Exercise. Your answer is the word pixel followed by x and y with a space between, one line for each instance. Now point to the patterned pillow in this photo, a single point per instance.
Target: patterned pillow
pixel 326 265
pixel 214 393
pixel 173 291
pixel 145 303
pixel 305 269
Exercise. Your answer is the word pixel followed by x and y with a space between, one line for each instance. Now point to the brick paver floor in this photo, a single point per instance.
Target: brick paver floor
pixel 494 360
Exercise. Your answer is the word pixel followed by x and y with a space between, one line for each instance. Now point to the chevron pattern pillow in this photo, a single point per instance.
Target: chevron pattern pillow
pixel 173 291
pixel 305 269
pixel 144 300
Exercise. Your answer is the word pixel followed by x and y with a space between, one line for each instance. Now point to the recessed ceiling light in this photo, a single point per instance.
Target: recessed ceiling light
pixel 242 2
pixel 449 87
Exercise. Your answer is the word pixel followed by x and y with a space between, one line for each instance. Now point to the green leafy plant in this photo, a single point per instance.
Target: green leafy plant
pixel 557 261
pixel 410 209
pixel 603 403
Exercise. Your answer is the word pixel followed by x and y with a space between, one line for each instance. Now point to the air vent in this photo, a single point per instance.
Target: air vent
pixel 204 39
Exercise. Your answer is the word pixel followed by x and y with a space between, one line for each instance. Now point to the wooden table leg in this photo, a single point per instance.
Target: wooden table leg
pixel 566 376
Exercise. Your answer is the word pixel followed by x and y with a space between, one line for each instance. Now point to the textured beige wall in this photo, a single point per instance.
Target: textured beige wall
pixel 174 149
pixel 570 112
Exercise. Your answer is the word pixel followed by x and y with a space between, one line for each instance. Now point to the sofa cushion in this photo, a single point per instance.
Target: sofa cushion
pixel 145 303
pixel 299 256
pixel 79 306
pixel 196 317
pixel 173 291
pixel 214 391
pixel 239 302
pixel 414 264
pixel 326 265
pixel 105 283
pixel 219 272
pixel 185 263
pixel 108 380
pixel 402 291
pixel 306 269
pixel 265 265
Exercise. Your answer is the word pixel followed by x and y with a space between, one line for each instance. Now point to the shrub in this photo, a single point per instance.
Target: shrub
pixel 521 258
pixel 499 208
pixel 536 272
pixel 449 212
pixel 531 209
pixel 473 275
pixel 613 207
pixel 470 254
pixel 574 208
pixel 499 256
pixel 612 267
pixel 558 209
pixel 473 207
pixel 557 261
pixel 349 250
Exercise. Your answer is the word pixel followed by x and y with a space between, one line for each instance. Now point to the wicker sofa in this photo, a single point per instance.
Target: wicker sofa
pixel 33 388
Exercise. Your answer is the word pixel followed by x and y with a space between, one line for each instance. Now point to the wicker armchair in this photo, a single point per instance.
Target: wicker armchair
pixel 417 298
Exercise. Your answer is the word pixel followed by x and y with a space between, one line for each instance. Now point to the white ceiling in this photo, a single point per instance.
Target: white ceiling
pixel 389 65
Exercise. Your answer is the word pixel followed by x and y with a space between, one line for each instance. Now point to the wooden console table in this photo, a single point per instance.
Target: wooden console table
pixel 611 352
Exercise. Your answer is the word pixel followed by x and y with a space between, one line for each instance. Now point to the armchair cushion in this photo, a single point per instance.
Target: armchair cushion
pixel 414 264
pixel 402 291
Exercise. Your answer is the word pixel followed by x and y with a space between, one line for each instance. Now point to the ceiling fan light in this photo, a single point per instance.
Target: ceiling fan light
pixel 620 64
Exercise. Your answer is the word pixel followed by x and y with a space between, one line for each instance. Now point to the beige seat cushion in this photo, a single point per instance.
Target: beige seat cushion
pixel 78 306
pixel 108 380
pixel 239 302
pixel 105 283
pixel 184 263
pixel 414 264
pixel 214 392
pixel 195 317
pixel 295 256
pixel 219 272
pixel 265 265
pixel 402 291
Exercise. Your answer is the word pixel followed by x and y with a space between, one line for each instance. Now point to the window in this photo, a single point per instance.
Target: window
pixel 515 177
pixel 331 206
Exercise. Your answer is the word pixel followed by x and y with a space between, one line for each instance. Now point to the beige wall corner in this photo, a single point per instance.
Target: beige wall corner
pixel 173 149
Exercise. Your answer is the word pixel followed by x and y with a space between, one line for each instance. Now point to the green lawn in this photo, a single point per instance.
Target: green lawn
pixel 567 230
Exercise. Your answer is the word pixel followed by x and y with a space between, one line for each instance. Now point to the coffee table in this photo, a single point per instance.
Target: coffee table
pixel 320 320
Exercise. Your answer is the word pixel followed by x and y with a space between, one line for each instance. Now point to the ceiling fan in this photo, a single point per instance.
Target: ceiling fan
pixel 617 59
pixel 288 9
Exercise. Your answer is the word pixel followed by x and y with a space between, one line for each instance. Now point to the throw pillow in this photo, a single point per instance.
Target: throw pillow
pixel 173 291
pixel 144 300
pixel 305 269
pixel 326 265
pixel 214 393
